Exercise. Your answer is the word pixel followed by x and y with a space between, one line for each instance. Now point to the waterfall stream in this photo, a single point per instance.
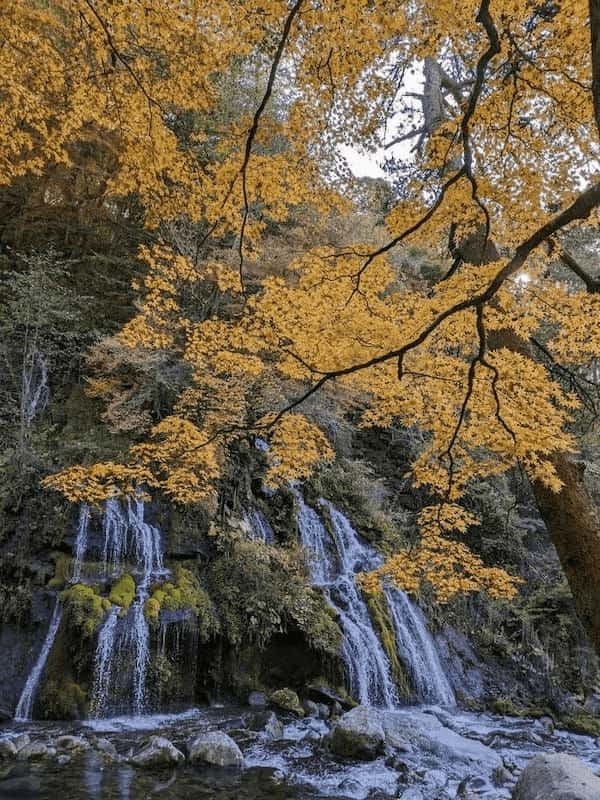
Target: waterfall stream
pixel 25 704
pixel 334 568
pixel 334 561
pixel 417 650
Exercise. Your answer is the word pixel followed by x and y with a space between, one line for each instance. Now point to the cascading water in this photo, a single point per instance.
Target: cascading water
pixel 104 653
pixel 123 649
pixel 25 704
pixel 261 530
pixel 81 541
pixel 368 667
pixel 417 650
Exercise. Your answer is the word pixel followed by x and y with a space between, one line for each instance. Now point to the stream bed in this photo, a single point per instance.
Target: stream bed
pixel 432 754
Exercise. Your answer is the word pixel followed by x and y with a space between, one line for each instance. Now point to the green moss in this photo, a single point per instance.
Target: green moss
pixel 182 594
pixel 123 592
pixel 288 700
pixel 382 620
pixel 318 621
pixel 63 700
pixel 62 571
pixel 85 607
pixel 581 723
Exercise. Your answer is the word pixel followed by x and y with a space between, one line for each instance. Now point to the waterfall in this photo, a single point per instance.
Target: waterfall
pixel 105 649
pixel 334 566
pixel 261 530
pixel 81 541
pixel 123 649
pixel 25 704
pixel 417 650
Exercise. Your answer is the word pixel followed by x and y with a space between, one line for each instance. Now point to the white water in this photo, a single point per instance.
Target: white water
pixel 81 541
pixel 417 651
pixel 25 704
pixel 104 653
pixel 334 568
pixel 261 530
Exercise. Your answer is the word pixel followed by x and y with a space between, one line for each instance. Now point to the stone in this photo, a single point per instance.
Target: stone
pixel 288 700
pixel 106 748
pixel 547 725
pixel 325 694
pixel 215 748
pixel 358 734
pixel 7 747
pixel 501 776
pixel 323 711
pixel 412 794
pixel 311 709
pixel 72 743
pixel 426 733
pixel 591 705
pixel 21 740
pixel 35 751
pixel 557 776
pixel 5 714
pixel 257 699
pixel 63 759
pixel 158 752
pixel 266 721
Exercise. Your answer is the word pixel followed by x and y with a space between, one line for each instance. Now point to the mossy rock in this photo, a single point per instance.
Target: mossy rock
pixel 63 700
pixel 382 620
pixel 288 700
pixel 86 608
pixel 183 594
pixel 63 567
pixel 123 592
pixel 581 723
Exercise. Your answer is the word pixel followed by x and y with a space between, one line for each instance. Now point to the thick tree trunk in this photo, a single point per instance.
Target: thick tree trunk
pixel 573 522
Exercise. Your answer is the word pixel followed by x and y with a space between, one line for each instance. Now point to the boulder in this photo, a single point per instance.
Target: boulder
pixel 20 740
pixel 426 733
pixel 257 699
pixel 266 721
pixel 7 747
pixel 557 776
pixel 35 751
pixel 358 734
pixel 325 694
pixel 311 709
pixel 288 700
pixel 106 748
pixel 215 748
pixel 158 752
pixel 72 743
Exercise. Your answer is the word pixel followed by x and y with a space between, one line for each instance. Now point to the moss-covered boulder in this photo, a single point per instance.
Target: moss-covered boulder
pixel 123 592
pixel 85 607
pixel 287 700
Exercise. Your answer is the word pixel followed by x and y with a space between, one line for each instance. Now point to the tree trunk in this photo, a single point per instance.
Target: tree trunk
pixel 573 522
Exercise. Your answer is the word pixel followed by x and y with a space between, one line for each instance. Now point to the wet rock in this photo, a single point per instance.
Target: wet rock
pixel 215 748
pixel 63 759
pixel 412 794
pixel 323 711
pixel 426 733
pixel 35 751
pixel 7 748
pixel 106 748
pixel 547 725
pixel 358 734
pixel 325 694
pixel 266 721
pixel 72 743
pixel 21 740
pixel 557 776
pixel 158 752
pixel 257 699
pixel 591 705
pixel 5 714
pixel 311 709
pixel 288 700
pixel 501 776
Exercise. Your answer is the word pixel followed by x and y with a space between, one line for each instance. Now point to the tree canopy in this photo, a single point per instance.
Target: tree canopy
pixel 227 122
